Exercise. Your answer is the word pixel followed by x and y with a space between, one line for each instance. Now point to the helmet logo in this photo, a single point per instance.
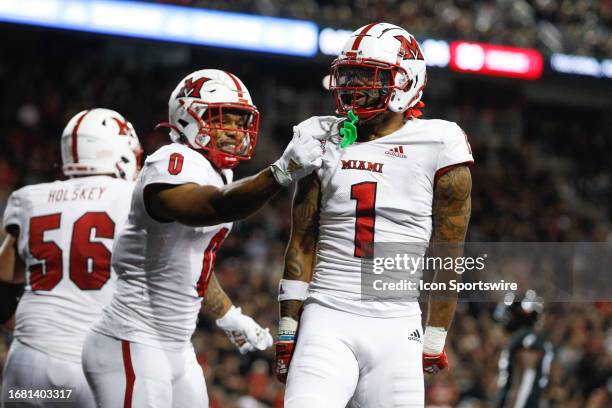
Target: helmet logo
pixel 410 48
pixel 123 126
pixel 191 89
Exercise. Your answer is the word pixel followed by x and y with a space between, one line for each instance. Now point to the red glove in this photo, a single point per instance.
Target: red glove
pixel 432 363
pixel 282 358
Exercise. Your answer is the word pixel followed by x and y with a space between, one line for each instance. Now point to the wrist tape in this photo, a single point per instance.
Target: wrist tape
pixel 435 337
pixel 287 327
pixel 289 289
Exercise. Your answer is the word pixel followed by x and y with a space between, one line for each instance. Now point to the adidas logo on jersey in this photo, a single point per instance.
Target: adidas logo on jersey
pixel 396 152
pixel 416 336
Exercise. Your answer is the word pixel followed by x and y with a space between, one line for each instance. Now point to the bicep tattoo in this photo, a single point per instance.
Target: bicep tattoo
pixel 304 230
pixel 452 205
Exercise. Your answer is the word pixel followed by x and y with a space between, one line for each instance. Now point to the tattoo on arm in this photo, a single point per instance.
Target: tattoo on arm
pixel 301 250
pixel 451 215
pixel 299 257
pixel 216 302
pixel 452 205
pixel 294 268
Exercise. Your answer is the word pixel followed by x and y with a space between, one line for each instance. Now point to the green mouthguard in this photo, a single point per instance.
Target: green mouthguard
pixel 349 130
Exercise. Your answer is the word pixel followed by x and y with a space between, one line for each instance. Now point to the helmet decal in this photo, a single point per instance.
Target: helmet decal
pixel 192 89
pixel 75 137
pixel 362 33
pixel 410 48
pixel 123 126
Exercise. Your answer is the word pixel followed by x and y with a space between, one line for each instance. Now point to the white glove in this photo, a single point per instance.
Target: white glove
pixel 304 154
pixel 244 332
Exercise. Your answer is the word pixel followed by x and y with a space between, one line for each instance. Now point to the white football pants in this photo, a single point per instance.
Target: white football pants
pixel 29 369
pixel 123 374
pixel 344 359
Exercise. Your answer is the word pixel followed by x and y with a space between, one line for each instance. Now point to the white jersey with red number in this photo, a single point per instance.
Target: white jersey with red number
pixel 66 232
pixel 163 267
pixel 379 191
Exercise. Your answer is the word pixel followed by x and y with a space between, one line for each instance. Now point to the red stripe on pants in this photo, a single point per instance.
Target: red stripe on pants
pixel 130 377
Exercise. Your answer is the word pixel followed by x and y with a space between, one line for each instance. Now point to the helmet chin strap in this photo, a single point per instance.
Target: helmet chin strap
pixel 169 125
pixel 220 160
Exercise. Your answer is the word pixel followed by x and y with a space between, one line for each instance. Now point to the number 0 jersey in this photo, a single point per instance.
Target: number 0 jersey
pixel 66 231
pixel 379 191
pixel 163 267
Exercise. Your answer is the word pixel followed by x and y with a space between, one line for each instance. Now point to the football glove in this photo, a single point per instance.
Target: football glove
pixel 304 154
pixel 285 344
pixel 434 356
pixel 432 363
pixel 244 332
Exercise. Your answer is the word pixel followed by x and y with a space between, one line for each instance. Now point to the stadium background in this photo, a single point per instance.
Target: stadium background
pixel 542 149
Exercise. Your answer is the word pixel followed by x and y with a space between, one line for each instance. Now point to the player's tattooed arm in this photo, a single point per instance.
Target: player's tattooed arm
pixel 451 215
pixel 197 205
pixel 216 302
pixel 301 249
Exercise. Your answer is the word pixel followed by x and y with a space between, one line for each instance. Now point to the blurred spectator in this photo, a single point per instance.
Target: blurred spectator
pixel 581 27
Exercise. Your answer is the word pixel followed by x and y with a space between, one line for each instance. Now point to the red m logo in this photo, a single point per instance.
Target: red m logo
pixel 192 89
pixel 410 48
pixel 123 126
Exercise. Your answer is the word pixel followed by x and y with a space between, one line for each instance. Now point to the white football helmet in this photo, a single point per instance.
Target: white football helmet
pixel 196 110
pixel 100 141
pixel 381 67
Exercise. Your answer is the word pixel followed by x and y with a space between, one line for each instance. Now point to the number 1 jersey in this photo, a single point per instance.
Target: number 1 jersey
pixel 376 192
pixel 66 232
pixel 163 267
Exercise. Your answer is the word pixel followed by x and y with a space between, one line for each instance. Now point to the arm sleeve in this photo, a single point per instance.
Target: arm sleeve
pixel 13 211
pixel 455 149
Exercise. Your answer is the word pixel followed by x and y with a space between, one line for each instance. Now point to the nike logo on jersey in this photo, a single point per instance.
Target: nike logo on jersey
pixel 362 165
pixel 396 152
pixel 416 336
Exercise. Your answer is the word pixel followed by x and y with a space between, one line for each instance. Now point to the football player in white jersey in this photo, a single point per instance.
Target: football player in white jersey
pixel 139 353
pixel 403 180
pixel 61 233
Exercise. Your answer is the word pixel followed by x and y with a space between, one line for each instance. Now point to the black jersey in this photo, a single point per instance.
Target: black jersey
pixel 527 393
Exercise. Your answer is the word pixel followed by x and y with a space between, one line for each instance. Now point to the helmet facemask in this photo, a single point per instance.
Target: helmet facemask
pixel 227 132
pixel 363 86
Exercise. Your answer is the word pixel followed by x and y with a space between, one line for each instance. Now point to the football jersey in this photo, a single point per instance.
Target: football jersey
pixel 376 192
pixel 525 339
pixel 163 267
pixel 66 231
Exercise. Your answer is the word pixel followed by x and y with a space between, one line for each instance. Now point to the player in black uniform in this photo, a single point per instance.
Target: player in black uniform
pixel 524 364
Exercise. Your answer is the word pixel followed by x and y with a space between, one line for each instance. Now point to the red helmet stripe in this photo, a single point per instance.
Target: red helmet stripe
pixel 75 153
pixel 237 83
pixel 361 35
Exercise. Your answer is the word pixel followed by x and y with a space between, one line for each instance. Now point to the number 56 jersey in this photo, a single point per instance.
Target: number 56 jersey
pixel 66 232
pixel 375 192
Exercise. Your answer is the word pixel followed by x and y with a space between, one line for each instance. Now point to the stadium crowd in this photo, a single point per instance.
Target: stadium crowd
pixel 582 27
pixel 527 187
